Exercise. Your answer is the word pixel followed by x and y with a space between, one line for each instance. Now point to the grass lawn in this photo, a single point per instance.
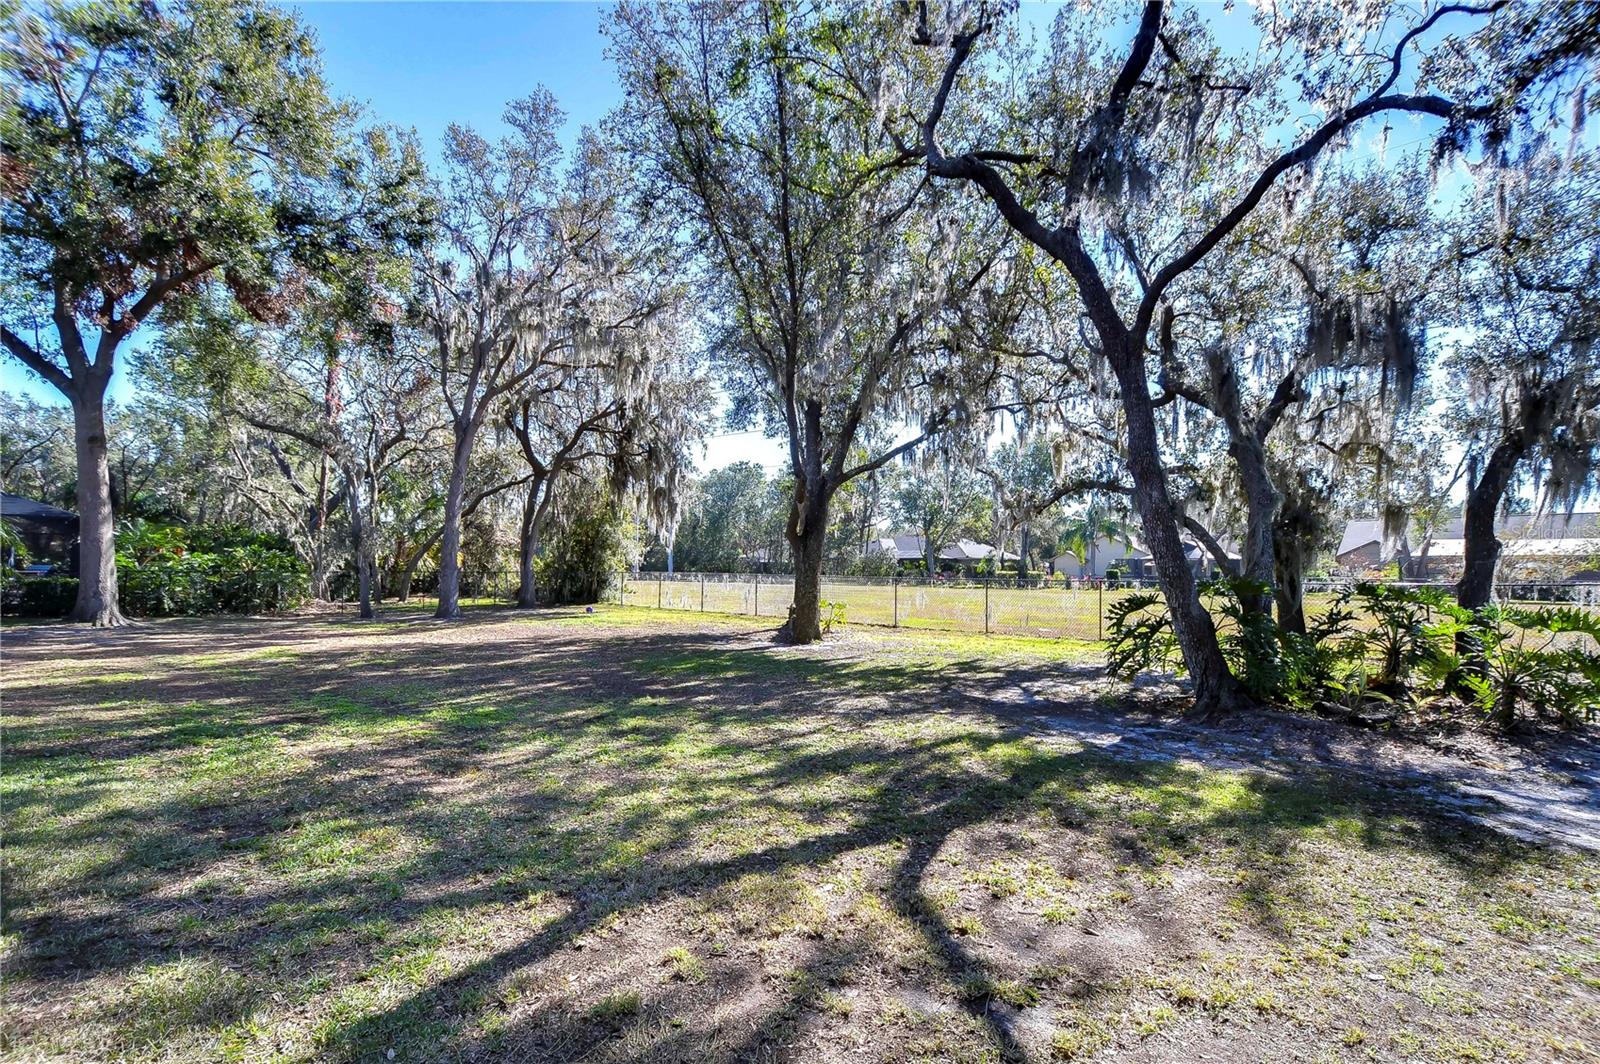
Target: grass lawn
pixel 643 836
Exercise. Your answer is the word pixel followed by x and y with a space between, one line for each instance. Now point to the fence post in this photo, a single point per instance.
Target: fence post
pixel 757 599
pixel 702 592
pixel 659 583
pixel 1100 609
pixel 622 587
pixel 986 582
pixel 894 579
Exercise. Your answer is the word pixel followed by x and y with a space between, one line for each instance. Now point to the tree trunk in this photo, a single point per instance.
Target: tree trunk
pixel 1289 534
pixel 361 544
pixel 1215 689
pixel 402 583
pixel 1263 502
pixel 807 534
pixel 528 590
pixel 1289 589
pixel 1481 549
pixel 97 553
pixel 1022 562
pixel 450 535
pixel 319 568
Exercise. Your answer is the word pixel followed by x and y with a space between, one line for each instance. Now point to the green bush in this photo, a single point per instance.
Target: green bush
pixel 168 570
pixel 1139 635
pixel 1509 660
pixel 587 548
pixel 39 596
pixel 1416 646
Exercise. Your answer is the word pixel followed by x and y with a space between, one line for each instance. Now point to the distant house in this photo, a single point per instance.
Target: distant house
pixel 1539 543
pixel 1126 556
pixel 49 533
pixel 1132 560
pixel 961 555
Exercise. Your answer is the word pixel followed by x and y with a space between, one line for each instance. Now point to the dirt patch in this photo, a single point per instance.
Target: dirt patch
pixel 1548 791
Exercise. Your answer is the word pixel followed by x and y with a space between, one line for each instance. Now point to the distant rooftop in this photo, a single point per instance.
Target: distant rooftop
pixel 23 509
pixel 1525 534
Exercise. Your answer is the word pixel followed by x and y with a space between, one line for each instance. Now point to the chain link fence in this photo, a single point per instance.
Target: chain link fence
pixel 1042 608
pixel 991 605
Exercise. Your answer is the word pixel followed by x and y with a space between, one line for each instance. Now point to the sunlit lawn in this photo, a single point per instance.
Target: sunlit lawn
pixel 634 835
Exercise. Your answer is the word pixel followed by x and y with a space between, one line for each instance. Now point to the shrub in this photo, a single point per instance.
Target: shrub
pixel 167 570
pixel 1409 630
pixel 1417 645
pixel 1510 659
pixel 38 596
pixel 1139 635
pixel 586 549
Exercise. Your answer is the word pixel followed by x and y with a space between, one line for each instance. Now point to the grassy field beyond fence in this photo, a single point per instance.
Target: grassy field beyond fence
pixel 992 605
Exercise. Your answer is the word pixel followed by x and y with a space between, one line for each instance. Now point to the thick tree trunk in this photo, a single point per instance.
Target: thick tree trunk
pixel 450 536
pixel 1481 549
pixel 1296 524
pixel 97 552
pixel 402 583
pixel 1296 535
pixel 1215 689
pixel 1263 502
pixel 807 533
pixel 1289 590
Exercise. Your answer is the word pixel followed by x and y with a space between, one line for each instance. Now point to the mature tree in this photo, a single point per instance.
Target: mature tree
pixel 331 377
pixel 828 264
pixel 1022 474
pixel 513 287
pixel 936 497
pixel 1186 126
pixel 733 516
pixel 627 395
pixel 150 149
pixel 1527 373
pixel 1317 301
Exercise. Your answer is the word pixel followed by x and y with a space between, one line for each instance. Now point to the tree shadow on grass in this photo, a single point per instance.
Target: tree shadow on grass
pixel 379 781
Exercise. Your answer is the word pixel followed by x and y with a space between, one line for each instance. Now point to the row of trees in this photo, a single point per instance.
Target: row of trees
pixel 734 518
pixel 339 330
pixel 1201 300
pixel 1189 274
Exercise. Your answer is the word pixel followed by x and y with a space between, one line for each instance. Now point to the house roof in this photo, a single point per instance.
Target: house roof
pixel 1516 530
pixel 1565 547
pixel 1195 552
pixel 32 510
pixel 909 548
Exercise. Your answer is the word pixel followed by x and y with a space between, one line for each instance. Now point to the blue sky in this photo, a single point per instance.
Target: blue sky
pixel 426 65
